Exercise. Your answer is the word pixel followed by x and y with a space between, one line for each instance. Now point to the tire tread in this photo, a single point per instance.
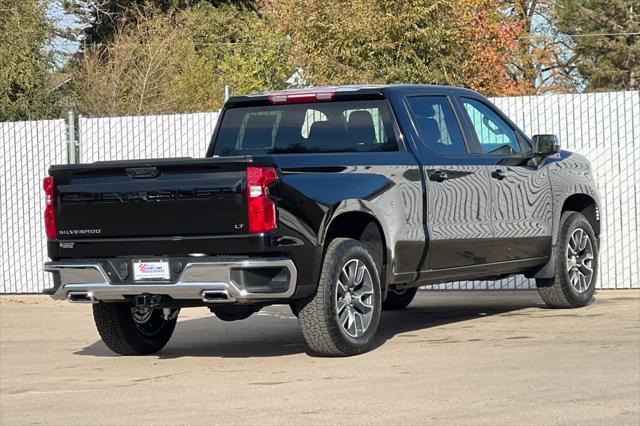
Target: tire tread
pixel 315 316
pixel 115 327
pixel 555 292
pixel 396 302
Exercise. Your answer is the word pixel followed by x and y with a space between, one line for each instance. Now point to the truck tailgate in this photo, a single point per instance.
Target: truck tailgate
pixel 179 197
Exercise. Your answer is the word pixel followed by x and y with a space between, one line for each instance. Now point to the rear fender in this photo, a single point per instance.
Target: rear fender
pixel 366 211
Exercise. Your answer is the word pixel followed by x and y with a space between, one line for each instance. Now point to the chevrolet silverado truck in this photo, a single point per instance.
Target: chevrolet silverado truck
pixel 337 201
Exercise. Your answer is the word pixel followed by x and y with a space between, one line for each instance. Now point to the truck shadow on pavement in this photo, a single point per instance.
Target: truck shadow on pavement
pixel 274 331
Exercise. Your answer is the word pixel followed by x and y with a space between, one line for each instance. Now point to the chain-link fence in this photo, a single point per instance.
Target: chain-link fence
pixel 604 127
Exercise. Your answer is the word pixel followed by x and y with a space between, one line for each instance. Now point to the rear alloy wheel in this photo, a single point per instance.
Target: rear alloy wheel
pixel 354 298
pixel 398 298
pixel 342 318
pixel 131 330
pixel 576 264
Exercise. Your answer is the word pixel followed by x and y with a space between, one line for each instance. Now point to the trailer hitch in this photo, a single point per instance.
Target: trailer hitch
pixel 148 301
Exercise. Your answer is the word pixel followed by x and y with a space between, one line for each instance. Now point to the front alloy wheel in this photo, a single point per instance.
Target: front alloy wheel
pixel 576 264
pixel 580 260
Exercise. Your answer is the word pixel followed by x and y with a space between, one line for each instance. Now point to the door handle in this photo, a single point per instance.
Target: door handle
pixel 438 176
pixel 498 174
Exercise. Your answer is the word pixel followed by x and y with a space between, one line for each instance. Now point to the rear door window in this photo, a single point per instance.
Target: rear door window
pixel 437 124
pixel 339 126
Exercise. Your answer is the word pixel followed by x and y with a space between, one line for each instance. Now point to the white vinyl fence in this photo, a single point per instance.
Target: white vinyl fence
pixel 149 136
pixel 605 127
pixel 27 150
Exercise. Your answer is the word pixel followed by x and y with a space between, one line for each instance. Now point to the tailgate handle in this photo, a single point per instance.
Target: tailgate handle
pixel 143 172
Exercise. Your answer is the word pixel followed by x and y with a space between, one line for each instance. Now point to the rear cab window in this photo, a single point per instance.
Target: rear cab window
pixel 314 127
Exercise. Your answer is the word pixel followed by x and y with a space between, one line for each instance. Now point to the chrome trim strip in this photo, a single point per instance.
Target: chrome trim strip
pixel 196 278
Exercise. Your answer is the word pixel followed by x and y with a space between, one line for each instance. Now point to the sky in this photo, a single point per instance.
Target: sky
pixel 63 48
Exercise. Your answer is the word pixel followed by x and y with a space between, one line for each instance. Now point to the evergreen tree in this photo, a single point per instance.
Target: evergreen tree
pixel 26 90
pixel 606 41
pixel 104 18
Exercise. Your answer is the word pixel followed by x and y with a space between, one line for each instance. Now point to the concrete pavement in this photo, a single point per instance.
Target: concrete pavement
pixel 450 358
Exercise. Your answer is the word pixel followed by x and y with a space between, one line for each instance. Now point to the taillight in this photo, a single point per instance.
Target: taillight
pixel 261 210
pixel 301 97
pixel 49 210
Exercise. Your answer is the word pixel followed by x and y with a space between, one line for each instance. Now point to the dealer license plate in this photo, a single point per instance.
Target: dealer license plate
pixel 156 270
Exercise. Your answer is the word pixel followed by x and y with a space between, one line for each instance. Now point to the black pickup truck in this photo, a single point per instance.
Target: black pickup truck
pixel 338 201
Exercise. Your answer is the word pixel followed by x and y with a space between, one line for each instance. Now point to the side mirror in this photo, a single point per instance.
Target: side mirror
pixel 545 145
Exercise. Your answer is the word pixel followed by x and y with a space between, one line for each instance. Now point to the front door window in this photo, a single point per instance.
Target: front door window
pixel 494 135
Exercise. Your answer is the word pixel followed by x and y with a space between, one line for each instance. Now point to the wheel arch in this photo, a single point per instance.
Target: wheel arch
pixel 366 228
pixel 587 206
pixel 579 202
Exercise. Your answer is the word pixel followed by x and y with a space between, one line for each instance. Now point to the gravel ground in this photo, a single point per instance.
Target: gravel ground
pixel 450 358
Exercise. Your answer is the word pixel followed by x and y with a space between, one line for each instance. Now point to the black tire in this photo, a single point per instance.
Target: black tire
pixel 233 312
pixel 318 315
pixel 399 299
pixel 558 292
pixel 124 336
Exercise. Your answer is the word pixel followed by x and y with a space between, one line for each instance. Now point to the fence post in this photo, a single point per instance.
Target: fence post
pixel 73 155
pixel 71 138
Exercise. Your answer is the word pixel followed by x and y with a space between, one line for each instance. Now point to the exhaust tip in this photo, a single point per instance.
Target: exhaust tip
pixel 212 296
pixel 81 297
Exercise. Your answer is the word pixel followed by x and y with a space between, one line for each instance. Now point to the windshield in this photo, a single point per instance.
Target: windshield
pixel 341 126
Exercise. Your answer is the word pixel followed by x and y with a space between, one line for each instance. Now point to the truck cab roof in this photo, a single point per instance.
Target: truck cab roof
pixel 385 90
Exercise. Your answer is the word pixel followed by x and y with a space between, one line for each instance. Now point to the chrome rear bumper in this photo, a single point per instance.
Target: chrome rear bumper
pixel 211 282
